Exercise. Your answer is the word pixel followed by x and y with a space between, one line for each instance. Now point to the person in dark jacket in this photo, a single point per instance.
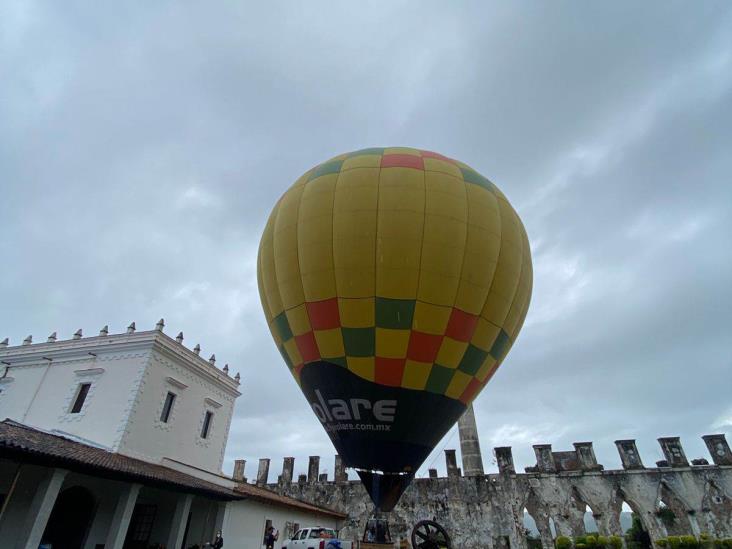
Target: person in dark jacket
pixel 218 542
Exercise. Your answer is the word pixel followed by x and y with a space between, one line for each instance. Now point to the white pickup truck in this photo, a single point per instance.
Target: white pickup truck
pixel 316 537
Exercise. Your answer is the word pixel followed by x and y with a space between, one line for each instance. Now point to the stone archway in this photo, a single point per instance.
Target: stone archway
pixel 70 519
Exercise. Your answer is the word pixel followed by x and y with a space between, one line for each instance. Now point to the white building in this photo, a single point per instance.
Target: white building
pixel 117 442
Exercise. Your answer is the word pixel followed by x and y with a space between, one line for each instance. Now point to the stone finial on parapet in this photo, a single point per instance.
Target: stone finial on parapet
pixel 586 456
pixel 238 474
pixel 263 471
pixel 340 476
pixel 673 451
pixel 323 477
pixel 433 473
pixel 451 464
pixel 288 466
pixel 718 449
pixel 313 469
pixel 504 459
pixel 302 479
pixel 629 456
pixel 544 458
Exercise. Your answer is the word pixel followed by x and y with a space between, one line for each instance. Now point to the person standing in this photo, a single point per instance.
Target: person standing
pixel 218 541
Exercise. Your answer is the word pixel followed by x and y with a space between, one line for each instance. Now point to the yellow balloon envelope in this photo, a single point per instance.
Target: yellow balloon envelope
pixel 394 281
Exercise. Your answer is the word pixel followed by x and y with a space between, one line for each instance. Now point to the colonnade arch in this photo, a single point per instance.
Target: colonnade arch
pixel 70 519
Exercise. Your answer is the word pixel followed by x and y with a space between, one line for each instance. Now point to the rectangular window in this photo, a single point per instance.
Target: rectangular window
pixel 80 397
pixel 267 526
pixel 206 424
pixel 167 407
pixel 141 525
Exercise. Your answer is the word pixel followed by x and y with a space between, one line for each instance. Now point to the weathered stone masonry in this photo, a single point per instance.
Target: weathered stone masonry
pixel 488 510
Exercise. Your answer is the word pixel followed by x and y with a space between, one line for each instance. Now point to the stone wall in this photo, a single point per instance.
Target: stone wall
pixel 488 510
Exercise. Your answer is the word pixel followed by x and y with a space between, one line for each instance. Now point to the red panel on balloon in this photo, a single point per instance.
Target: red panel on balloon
pixel 438 156
pixel 324 314
pixel 470 391
pixel 423 347
pixel 389 371
pixel 461 325
pixel 402 161
pixel 308 347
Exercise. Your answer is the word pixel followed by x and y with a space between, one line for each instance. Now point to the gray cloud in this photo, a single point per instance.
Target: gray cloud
pixel 142 147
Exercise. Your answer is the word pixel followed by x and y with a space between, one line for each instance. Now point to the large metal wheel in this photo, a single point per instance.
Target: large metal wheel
pixel 427 534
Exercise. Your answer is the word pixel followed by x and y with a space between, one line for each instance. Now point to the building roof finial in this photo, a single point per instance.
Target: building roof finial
pixel 28 340
pixel 4 342
pixel 237 378
pixel 77 334
pixel 104 331
pixel 131 328
pixel 52 338
pixel 160 325
pixel 179 338
pixel 212 360
pixel 226 369
pixel 197 349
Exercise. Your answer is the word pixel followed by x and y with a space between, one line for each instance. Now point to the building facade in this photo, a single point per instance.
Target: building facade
pixel 116 441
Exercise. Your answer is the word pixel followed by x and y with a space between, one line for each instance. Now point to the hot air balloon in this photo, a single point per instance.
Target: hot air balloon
pixel 394 281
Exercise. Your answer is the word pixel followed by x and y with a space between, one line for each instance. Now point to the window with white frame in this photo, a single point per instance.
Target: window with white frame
pixel 168 406
pixel 80 398
pixel 207 422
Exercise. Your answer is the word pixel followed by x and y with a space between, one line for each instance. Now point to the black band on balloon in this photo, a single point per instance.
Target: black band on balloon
pixel 375 427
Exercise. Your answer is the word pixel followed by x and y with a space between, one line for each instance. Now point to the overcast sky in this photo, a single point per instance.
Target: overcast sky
pixel 142 147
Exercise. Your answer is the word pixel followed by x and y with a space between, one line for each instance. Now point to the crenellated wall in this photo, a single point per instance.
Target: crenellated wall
pixel 488 510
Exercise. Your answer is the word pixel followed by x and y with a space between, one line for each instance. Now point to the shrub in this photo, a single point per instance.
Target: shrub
pixel 727 543
pixel 602 542
pixel 591 542
pixel 706 541
pixel 581 546
pixel 563 542
pixel 667 516
pixel 616 542
pixel 662 542
pixel 674 542
pixel 689 542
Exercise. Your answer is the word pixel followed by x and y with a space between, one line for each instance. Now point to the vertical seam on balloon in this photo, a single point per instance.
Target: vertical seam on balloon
pixel 525 261
pixel 276 213
pixel 498 256
pixel 518 281
pixel 332 256
pixel 297 249
pixel 332 236
pixel 421 245
pixel 465 247
pixel 462 264
pixel 376 246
